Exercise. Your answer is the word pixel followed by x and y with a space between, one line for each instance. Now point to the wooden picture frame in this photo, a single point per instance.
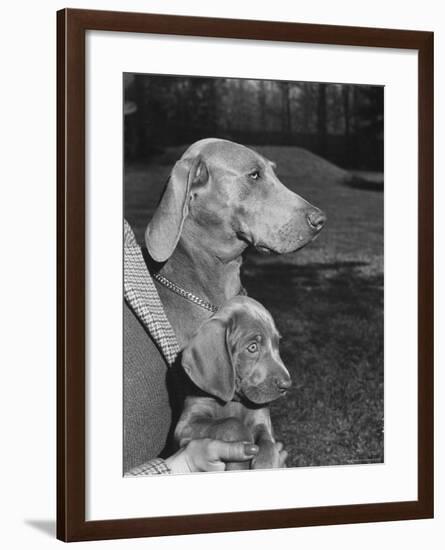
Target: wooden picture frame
pixel 72 25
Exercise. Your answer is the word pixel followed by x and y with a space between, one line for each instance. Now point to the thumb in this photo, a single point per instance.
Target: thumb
pixel 231 451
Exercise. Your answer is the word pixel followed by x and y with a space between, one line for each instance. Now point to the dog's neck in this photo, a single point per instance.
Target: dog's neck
pixel 205 270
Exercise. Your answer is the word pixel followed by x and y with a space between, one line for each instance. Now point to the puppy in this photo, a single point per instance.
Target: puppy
pixel 234 363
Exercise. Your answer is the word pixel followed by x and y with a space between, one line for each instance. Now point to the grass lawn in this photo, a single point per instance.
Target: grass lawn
pixel 327 301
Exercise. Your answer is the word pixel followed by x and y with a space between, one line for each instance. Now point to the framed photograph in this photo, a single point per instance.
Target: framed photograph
pixel 245 275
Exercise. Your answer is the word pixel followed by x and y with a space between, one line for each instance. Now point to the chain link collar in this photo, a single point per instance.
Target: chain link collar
pixel 184 293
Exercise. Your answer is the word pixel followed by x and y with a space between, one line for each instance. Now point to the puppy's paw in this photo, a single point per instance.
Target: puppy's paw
pixel 268 457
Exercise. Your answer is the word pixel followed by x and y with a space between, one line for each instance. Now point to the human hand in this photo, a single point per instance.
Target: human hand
pixel 210 455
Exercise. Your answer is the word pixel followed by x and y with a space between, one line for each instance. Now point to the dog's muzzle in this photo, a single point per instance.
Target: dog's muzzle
pixel 316 219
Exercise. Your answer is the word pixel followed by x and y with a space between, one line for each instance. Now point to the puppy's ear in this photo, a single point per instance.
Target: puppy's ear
pixel 208 362
pixel 164 229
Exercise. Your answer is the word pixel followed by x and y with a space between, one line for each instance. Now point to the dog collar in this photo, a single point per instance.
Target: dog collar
pixel 184 293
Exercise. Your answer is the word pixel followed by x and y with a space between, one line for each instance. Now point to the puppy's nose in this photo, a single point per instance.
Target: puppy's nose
pixel 316 219
pixel 284 383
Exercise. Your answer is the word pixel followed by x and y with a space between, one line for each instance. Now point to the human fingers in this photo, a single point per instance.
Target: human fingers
pixel 225 451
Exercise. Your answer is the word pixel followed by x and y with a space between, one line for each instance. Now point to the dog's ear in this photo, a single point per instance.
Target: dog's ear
pixel 208 362
pixel 163 231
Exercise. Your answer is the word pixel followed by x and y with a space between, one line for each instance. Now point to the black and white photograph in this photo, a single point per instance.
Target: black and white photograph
pixel 253 274
pixel 222 267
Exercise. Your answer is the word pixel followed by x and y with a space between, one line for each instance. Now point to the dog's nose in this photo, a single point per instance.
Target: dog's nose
pixel 316 219
pixel 284 383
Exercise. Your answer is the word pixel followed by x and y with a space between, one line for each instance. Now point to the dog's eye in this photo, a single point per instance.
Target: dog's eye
pixel 252 348
pixel 254 175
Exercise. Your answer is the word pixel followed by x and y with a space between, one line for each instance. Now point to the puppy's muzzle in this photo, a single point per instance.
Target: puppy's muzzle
pixel 283 383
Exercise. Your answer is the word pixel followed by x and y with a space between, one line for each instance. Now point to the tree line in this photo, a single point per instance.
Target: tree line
pixel 342 122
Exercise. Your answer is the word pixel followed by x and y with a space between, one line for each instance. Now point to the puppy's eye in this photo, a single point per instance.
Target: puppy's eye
pixel 252 348
pixel 254 175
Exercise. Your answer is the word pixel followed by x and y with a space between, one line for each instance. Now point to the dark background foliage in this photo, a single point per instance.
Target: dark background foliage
pixel 327 299
pixel 341 122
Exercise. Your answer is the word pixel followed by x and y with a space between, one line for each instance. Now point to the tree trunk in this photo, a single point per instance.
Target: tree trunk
pixel 285 111
pixel 262 106
pixel 346 110
pixel 322 119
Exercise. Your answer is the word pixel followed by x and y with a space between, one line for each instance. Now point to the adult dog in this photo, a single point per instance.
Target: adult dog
pixel 220 199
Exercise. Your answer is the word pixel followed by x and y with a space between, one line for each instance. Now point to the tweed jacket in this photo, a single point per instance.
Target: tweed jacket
pixel 147 331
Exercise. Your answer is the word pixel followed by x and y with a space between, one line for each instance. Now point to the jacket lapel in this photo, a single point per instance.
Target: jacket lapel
pixel 142 296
